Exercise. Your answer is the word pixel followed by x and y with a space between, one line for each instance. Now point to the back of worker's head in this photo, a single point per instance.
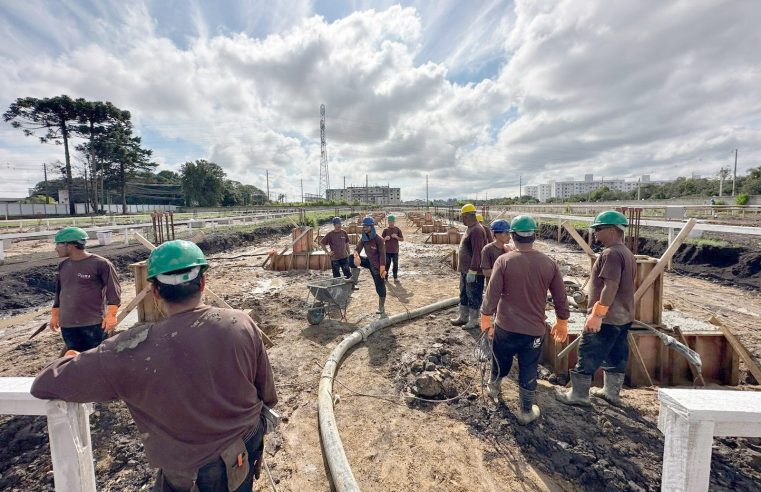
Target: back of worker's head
pixel 523 229
pixel 176 270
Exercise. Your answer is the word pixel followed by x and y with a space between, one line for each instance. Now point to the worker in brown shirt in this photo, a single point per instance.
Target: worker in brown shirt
pixel 195 383
pixel 375 260
pixel 469 266
pixel 606 331
pixel 338 241
pixel 487 229
pixel 392 235
pixel 87 293
pixel 517 294
pixel 500 229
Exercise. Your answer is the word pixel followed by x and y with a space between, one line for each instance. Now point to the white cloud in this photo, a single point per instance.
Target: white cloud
pixel 584 86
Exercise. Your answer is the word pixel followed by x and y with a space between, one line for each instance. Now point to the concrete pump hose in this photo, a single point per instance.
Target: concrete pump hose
pixel 338 465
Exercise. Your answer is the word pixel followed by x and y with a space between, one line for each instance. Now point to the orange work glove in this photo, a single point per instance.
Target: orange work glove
pixel 487 325
pixel 559 331
pixel 110 322
pixel 594 320
pixel 54 324
pixel 383 271
pixel 71 353
pixel 357 261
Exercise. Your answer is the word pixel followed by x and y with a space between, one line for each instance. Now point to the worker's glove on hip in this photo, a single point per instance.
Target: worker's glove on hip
pixel 594 320
pixel 357 261
pixel 559 331
pixel 383 271
pixel 487 325
pixel 110 321
pixel 54 324
pixel 470 277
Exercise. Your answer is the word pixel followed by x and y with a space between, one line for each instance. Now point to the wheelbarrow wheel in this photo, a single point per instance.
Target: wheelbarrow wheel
pixel 315 315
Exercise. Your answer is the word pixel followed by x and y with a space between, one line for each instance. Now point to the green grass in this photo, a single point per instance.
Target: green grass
pixel 716 243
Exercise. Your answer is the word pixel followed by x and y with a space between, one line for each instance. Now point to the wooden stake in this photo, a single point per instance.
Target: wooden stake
pixel 580 240
pixel 638 356
pixel 663 261
pixel 747 357
pixel 695 373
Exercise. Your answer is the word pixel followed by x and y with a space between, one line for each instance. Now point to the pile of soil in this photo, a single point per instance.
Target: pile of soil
pixel 432 372
pixel 736 266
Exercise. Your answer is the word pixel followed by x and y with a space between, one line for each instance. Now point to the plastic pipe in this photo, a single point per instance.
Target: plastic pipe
pixel 338 465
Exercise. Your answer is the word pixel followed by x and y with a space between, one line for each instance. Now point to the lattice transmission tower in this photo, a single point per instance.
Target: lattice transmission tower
pixel 324 176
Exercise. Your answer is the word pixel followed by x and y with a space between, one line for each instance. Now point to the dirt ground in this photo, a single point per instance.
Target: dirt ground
pixel 393 443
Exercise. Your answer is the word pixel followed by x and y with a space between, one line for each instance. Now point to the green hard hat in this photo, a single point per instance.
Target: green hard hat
pixel 70 235
pixel 610 217
pixel 175 255
pixel 392 218
pixel 523 223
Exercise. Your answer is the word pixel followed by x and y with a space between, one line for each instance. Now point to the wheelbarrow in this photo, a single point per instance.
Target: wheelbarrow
pixel 329 295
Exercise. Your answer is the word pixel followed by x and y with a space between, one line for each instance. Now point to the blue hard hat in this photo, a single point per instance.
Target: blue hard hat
pixel 336 220
pixel 500 225
pixel 368 221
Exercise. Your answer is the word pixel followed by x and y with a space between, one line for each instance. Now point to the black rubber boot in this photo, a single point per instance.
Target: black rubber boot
pixel 528 411
pixel 463 316
pixel 611 390
pixel 579 393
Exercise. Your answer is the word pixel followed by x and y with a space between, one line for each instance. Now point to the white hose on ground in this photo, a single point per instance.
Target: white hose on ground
pixel 332 448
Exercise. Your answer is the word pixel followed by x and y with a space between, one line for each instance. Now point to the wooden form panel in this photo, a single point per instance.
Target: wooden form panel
pixel 664 366
pixel 299 261
pixel 150 308
pixel 649 309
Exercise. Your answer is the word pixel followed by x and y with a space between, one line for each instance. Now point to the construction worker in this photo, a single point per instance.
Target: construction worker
pixel 606 330
pixel 87 293
pixel 195 383
pixel 392 235
pixel 500 229
pixel 517 294
pixel 338 241
pixel 469 266
pixel 489 235
pixel 375 251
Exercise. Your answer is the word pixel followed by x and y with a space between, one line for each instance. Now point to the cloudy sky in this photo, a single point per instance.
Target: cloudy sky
pixel 474 94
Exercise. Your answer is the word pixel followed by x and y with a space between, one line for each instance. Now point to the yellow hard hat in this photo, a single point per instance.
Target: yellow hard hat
pixel 479 217
pixel 468 208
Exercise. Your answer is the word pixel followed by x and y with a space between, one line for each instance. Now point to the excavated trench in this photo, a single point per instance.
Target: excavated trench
pixel 735 266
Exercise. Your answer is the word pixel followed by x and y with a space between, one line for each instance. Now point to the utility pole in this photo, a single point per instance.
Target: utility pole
pixel 367 190
pixel 426 192
pixel 639 188
pixel 268 184
pixel 302 190
pixel 520 187
pixel 734 177
pixel 45 170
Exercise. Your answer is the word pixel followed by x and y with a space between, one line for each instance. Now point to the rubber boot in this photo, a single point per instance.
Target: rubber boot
pixel 381 306
pixel 493 388
pixel 463 316
pixel 474 320
pixel 579 393
pixel 355 278
pixel 611 389
pixel 528 411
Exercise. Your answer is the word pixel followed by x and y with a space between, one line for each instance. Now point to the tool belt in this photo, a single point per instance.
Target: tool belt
pixel 234 458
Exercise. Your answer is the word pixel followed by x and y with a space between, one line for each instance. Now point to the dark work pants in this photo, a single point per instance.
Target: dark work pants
pixel 341 265
pixel 471 294
pixel 83 338
pixel 508 344
pixel 608 348
pixel 212 477
pixel 392 257
pixel 380 285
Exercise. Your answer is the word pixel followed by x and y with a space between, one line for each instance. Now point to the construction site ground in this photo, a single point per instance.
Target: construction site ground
pixel 392 443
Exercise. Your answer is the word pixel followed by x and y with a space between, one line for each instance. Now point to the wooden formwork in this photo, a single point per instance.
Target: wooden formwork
pixel 317 260
pixel 649 308
pixel 149 308
pixel 452 236
pixel 664 366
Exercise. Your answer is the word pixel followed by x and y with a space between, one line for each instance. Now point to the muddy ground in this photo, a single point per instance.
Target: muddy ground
pixel 392 442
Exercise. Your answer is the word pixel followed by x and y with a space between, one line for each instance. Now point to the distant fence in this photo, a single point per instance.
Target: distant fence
pixel 44 209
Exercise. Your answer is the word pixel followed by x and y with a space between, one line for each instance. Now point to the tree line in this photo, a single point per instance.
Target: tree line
pixel 114 158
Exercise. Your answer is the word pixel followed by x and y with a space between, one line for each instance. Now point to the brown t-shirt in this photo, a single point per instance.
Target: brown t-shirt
pixel 375 249
pixel 338 242
pixel 517 292
pixel 83 289
pixel 489 255
pixel 618 267
pixel 194 382
pixel 392 245
pixel 469 256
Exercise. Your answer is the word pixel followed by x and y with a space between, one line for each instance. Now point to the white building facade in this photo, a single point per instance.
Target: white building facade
pixel 566 189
